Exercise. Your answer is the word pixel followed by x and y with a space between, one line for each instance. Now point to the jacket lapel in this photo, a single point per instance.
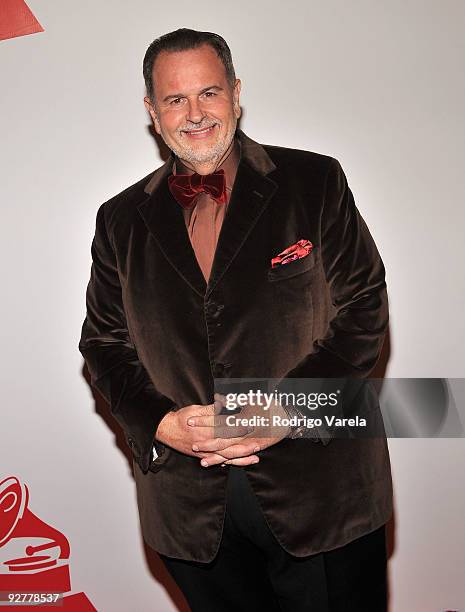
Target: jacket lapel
pixel 165 221
pixel 250 196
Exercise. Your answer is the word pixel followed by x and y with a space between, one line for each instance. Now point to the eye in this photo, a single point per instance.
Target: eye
pixel 175 102
pixel 209 94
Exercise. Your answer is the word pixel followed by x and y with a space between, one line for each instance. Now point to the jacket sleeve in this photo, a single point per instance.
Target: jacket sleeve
pixel 355 275
pixel 111 358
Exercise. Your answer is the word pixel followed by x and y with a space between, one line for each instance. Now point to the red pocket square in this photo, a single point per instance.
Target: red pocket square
pixel 296 251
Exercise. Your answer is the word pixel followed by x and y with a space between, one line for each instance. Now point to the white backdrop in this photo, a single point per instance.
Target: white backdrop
pixel 381 87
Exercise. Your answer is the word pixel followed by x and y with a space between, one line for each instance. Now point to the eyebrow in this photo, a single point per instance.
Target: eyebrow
pixel 181 95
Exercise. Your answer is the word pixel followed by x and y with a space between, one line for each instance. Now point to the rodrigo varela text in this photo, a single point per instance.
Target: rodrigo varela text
pixel 278 421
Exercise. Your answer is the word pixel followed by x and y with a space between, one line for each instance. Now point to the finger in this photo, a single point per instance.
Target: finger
pixel 232 431
pixel 220 444
pixel 198 420
pixel 212 459
pixel 239 450
pixel 207 456
pixel 219 397
pixel 220 425
pixel 243 460
pixel 219 403
pixel 215 459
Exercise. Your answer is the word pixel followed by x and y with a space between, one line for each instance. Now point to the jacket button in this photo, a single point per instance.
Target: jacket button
pixel 214 309
pixel 219 370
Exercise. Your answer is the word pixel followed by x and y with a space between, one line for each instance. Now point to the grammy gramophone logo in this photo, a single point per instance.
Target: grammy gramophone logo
pixel 34 557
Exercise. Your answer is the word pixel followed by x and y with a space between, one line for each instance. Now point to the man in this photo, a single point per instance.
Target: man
pixel 183 290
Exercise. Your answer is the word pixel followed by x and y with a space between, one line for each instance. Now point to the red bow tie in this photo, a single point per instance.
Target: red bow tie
pixel 186 187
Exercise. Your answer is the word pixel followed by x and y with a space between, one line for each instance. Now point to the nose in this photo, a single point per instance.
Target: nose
pixel 195 113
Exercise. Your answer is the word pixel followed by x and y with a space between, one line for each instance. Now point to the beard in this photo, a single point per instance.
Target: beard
pixel 191 154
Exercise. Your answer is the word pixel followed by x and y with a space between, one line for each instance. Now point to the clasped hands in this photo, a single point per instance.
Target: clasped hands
pixel 201 431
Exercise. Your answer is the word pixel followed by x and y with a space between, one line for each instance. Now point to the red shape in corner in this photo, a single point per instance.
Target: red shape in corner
pixel 16 19
pixel 34 556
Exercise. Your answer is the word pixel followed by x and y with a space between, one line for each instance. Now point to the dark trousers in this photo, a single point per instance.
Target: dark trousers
pixel 253 572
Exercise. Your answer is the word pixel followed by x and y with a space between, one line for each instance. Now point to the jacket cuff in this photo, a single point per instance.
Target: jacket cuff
pixel 316 434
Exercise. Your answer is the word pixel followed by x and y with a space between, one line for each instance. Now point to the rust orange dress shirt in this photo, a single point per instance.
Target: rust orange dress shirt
pixel 205 218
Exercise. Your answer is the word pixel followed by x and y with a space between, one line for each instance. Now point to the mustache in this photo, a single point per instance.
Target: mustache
pixel 198 127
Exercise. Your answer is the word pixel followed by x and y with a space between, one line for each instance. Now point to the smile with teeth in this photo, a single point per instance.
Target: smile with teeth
pixel 200 133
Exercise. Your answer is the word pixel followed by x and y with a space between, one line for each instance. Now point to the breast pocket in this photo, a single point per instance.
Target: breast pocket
pixel 293 268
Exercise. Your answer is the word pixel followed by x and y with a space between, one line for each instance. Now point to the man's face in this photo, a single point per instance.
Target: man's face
pixel 195 109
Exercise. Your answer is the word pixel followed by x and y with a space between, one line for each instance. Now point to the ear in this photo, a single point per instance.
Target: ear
pixel 236 96
pixel 153 113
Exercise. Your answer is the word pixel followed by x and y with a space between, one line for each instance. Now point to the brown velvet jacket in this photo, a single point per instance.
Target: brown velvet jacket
pixel 156 335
